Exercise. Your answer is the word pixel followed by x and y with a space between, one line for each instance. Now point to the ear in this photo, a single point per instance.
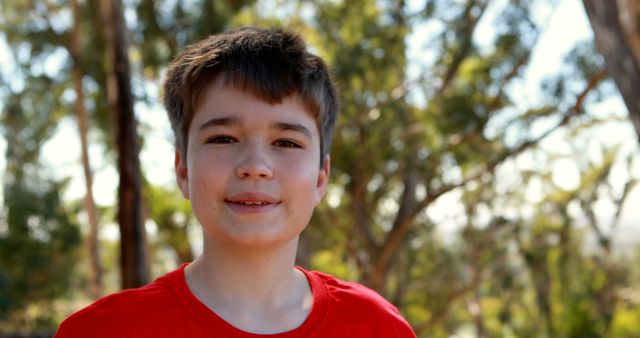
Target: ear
pixel 323 179
pixel 182 174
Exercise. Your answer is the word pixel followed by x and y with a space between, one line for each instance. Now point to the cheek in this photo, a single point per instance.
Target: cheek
pixel 302 185
pixel 300 174
pixel 206 177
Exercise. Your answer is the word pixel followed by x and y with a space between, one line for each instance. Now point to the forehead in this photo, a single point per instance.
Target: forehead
pixel 272 91
pixel 222 98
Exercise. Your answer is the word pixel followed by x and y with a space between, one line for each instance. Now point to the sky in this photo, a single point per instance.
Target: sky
pixel 566 24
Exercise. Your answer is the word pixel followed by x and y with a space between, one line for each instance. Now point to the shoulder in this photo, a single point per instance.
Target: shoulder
pixel 359 304
pixel 119 311
pixel 351 294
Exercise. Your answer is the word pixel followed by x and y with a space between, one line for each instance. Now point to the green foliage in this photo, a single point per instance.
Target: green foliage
pixel 39 235
pixel 627 323
pixel 165 27
pixel 37 246
pixel 172 215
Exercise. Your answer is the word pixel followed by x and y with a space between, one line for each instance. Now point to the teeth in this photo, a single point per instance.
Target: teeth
pixel 253 203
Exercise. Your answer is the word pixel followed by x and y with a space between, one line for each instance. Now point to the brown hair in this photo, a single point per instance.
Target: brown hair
pixel 270 64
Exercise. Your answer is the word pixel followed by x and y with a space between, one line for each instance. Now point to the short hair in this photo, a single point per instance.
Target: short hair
pixel 271 64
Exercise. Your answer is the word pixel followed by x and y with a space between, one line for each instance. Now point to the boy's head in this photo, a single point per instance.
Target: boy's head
pixel 269 64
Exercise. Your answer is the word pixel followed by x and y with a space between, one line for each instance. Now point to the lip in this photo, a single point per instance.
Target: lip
pixel 238 202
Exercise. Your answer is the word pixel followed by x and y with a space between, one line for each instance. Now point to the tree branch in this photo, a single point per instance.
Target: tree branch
pixel 467 42
pixel 403 224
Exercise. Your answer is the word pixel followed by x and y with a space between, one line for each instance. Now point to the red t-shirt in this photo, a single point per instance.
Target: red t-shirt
pixel 167 308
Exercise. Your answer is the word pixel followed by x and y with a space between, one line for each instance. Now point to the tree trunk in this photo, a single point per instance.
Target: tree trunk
pixel 133 251
pixel 81 114
pixel 616 25
pixel 475 310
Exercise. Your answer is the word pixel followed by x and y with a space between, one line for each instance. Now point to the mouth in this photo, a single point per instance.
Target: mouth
pixel 251 202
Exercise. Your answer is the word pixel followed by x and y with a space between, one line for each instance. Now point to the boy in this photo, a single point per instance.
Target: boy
pixel 253 113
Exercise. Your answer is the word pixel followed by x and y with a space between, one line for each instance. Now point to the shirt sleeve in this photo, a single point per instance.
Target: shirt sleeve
pixel 63 331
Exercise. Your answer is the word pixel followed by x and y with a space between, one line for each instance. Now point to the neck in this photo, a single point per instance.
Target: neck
pixel 245 282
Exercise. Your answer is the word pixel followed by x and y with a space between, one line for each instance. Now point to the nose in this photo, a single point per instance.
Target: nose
pixel 253 163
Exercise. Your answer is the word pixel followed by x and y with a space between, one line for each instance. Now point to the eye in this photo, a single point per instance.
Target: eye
pixel 221 139
pixel 286 144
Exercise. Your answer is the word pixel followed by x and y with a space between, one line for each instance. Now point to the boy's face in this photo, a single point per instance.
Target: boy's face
pixel 251 169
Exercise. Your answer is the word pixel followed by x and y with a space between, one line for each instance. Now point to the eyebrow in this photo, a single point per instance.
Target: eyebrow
pixel 235 121
pixel 220 122
pixel 293 127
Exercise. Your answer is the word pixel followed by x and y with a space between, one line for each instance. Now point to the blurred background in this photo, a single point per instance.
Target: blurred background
pixel 484 166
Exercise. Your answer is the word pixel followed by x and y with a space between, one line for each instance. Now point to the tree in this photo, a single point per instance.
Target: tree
pixel 396 158
pixel 44 40
pixel 407 163
pixel 39 234
pixel 615 24
pixel 133 251
pixel 81 114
